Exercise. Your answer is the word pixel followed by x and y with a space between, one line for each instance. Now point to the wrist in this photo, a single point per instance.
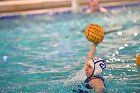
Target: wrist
pixel 93 44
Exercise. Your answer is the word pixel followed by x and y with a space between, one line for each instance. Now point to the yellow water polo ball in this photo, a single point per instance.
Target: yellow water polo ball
pixel 138 60
pixel 94 33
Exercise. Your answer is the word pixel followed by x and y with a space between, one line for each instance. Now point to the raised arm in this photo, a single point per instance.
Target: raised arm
pixel 91 53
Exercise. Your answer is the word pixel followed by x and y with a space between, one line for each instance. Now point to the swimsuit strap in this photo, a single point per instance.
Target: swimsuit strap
pixel 100 77
pixel 94 77
pixel 90 78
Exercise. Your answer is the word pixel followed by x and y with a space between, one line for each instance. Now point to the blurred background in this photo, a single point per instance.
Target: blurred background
pixel 43 47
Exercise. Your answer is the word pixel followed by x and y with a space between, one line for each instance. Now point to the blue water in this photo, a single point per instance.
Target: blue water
pixel 46 54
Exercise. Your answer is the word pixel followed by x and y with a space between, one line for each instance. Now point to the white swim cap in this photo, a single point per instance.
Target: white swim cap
pixel 98 65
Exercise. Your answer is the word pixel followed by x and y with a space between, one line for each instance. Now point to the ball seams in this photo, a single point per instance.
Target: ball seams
pixel 97 30
pixel 94 33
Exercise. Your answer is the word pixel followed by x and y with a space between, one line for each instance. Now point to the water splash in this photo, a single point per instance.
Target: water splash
pixel 5 58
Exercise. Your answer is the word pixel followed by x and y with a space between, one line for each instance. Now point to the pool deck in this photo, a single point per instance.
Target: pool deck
pixel 24 7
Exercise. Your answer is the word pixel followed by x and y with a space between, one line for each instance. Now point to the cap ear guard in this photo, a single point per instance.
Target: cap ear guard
pixel 98 65
pixel 102 63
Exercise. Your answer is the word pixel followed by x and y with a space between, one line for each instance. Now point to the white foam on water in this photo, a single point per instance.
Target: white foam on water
pixel 79 76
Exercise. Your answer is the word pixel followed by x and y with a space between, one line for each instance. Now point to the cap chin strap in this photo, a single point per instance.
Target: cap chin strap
pixel 93 68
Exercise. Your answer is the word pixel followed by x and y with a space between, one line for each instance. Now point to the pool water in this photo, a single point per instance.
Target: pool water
pixel 46 53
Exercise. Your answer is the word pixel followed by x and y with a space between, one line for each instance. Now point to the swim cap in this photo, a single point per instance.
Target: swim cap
pixel 98 65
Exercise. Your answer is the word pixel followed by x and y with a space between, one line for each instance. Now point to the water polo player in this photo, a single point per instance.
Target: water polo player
pixel 94 66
